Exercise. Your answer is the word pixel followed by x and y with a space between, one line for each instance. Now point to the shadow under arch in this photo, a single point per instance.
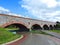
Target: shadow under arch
pixel 45 27
pixel 21 27
pixel 51 27
pixel 36 27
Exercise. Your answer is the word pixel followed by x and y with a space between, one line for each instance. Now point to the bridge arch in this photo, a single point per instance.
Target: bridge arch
pixel 50 27
pixel 45 27
pixel 36 27
pixel 21 26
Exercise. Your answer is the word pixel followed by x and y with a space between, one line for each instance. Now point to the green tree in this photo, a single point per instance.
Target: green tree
pixel 57 26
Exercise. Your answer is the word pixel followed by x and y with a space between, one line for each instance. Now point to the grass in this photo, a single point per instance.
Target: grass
pixel 6 36
pixel 57 31
pixel 39 32
pixel 11 28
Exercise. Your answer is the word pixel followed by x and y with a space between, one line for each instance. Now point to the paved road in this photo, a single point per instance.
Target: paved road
pixel 52 33
pixel 38 39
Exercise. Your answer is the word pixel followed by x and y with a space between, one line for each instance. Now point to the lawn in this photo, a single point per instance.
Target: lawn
pixel 6 36
pixel 11 28
pixel 57 31
pixel 38 32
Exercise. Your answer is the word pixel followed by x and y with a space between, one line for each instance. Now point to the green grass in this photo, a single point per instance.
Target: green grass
pixel 11 28
pixel 57 31
pixel 38 32
pixel 6 36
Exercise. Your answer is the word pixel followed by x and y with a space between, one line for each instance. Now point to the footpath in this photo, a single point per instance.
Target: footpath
pixel 57 35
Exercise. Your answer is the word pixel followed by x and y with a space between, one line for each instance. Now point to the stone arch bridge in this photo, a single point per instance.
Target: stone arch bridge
pixel 24 23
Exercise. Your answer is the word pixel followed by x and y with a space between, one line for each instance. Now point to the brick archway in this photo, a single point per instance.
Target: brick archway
pixel 21 26
pixel 51 27
pixel 13 22
pixel 36 27
pixel 45 27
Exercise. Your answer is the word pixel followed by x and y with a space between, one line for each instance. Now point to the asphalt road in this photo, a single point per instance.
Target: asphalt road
pixel 38 39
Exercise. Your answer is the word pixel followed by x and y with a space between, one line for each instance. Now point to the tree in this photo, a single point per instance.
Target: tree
pixel 57 26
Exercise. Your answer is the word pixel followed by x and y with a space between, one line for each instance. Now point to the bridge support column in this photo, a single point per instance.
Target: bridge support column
pixel 30 30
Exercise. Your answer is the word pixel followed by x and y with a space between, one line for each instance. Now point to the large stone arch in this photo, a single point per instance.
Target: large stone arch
pixel 45 27
pixel 22 26
pixel 36 27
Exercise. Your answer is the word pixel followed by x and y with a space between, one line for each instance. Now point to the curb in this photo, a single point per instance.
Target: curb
pixel 13 41
pixel 19 41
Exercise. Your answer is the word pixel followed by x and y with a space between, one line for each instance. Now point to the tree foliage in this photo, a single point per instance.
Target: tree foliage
pixel 57 26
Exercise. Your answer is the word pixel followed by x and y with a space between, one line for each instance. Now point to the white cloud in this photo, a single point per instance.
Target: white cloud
pixel 4 10
pixel 50 3
pixel 42 9
pixel 7 11
pixel 15 14
pixel 52 14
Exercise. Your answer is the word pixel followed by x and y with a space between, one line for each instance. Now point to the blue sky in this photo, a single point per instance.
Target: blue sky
pixel 48 10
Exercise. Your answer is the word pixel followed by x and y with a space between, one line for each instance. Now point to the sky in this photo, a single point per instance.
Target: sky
pixel 48 10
